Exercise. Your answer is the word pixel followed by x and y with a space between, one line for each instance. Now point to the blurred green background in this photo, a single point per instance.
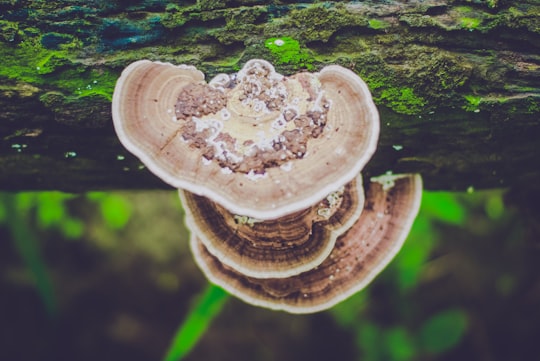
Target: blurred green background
pixel 108 276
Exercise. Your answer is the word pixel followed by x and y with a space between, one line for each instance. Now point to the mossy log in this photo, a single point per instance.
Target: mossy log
pixel 456 82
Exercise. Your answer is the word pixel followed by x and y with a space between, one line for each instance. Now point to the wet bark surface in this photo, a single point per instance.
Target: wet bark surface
pixel 456 83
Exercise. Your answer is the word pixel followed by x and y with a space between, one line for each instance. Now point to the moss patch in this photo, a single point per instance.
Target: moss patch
pixel 377 24
pixel 387 87
pixel 56 41
pixel 31 63
pixel 435 74
pixel 472 103
pixel 402 100
pixel 9 31
pixel 90 111
pixel 470 23
pixel 286 50
pixel 318 23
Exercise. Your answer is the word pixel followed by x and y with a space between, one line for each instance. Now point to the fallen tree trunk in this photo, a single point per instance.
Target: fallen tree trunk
pixel 456 82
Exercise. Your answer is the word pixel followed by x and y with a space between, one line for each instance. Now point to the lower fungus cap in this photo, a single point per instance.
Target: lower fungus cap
pixel 358 256
pixel 277 248
pixel 259 143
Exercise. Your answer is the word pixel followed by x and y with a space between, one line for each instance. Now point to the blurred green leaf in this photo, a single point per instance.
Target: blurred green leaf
pixel 50 209
pixel 3 214
pixel 199 318
pixel 494 206
pixel 25 201
pixel 399 344
pixel 369 340
pixel 444 207
pixel 96 196
pixel 27 246
pixel 443 331
pixel 72 228
pixel 415 252
pixel 115 210
pixel 505 284
pixel 348 312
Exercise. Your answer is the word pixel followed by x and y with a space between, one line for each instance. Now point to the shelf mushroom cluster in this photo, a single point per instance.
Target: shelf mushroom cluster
pixel 268 169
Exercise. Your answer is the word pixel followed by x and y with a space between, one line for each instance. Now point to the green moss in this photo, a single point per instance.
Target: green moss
pixel 515 12
pixel 17 89
pixel 318 23
pixel 473 103
pixel 243 16
pixel 459 17
pixel 517 17
pixel 533 105
pixel 436 75
pixel 470 23
pixel 241 25
pixel 174 19
pixel 464 9
pixel 56 41
pixel 31 63
pixel 286 50
pixel 21 62
pixel 492 3
pixel 466 17
pixel 402 100
pixel 79 81
pixel 51 61
pixel 376 80
pixel 212 4
pixel 377 24
pixel 172 7
pixel 9 31
pixel 387 87
pixel 419 20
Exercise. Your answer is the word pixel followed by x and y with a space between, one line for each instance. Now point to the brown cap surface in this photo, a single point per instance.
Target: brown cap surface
pixel 391 205
pixel 258 143
pixel 275 248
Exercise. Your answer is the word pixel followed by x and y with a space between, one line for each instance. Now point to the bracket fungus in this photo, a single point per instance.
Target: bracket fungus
pixel 268 168
pixel 276 248
pixel 258 143
pixel 358 256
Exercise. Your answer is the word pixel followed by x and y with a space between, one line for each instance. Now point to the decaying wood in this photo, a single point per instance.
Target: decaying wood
pixel 456 82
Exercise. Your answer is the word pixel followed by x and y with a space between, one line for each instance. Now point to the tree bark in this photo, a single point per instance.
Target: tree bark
pixel 456 82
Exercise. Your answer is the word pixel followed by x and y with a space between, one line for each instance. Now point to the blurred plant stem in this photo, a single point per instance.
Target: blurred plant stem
pixel 26 244
pixel 208 306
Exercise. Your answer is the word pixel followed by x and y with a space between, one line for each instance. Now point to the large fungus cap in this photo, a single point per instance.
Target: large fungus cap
pixel 275 248
pixel 391 205
pixel 260 144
